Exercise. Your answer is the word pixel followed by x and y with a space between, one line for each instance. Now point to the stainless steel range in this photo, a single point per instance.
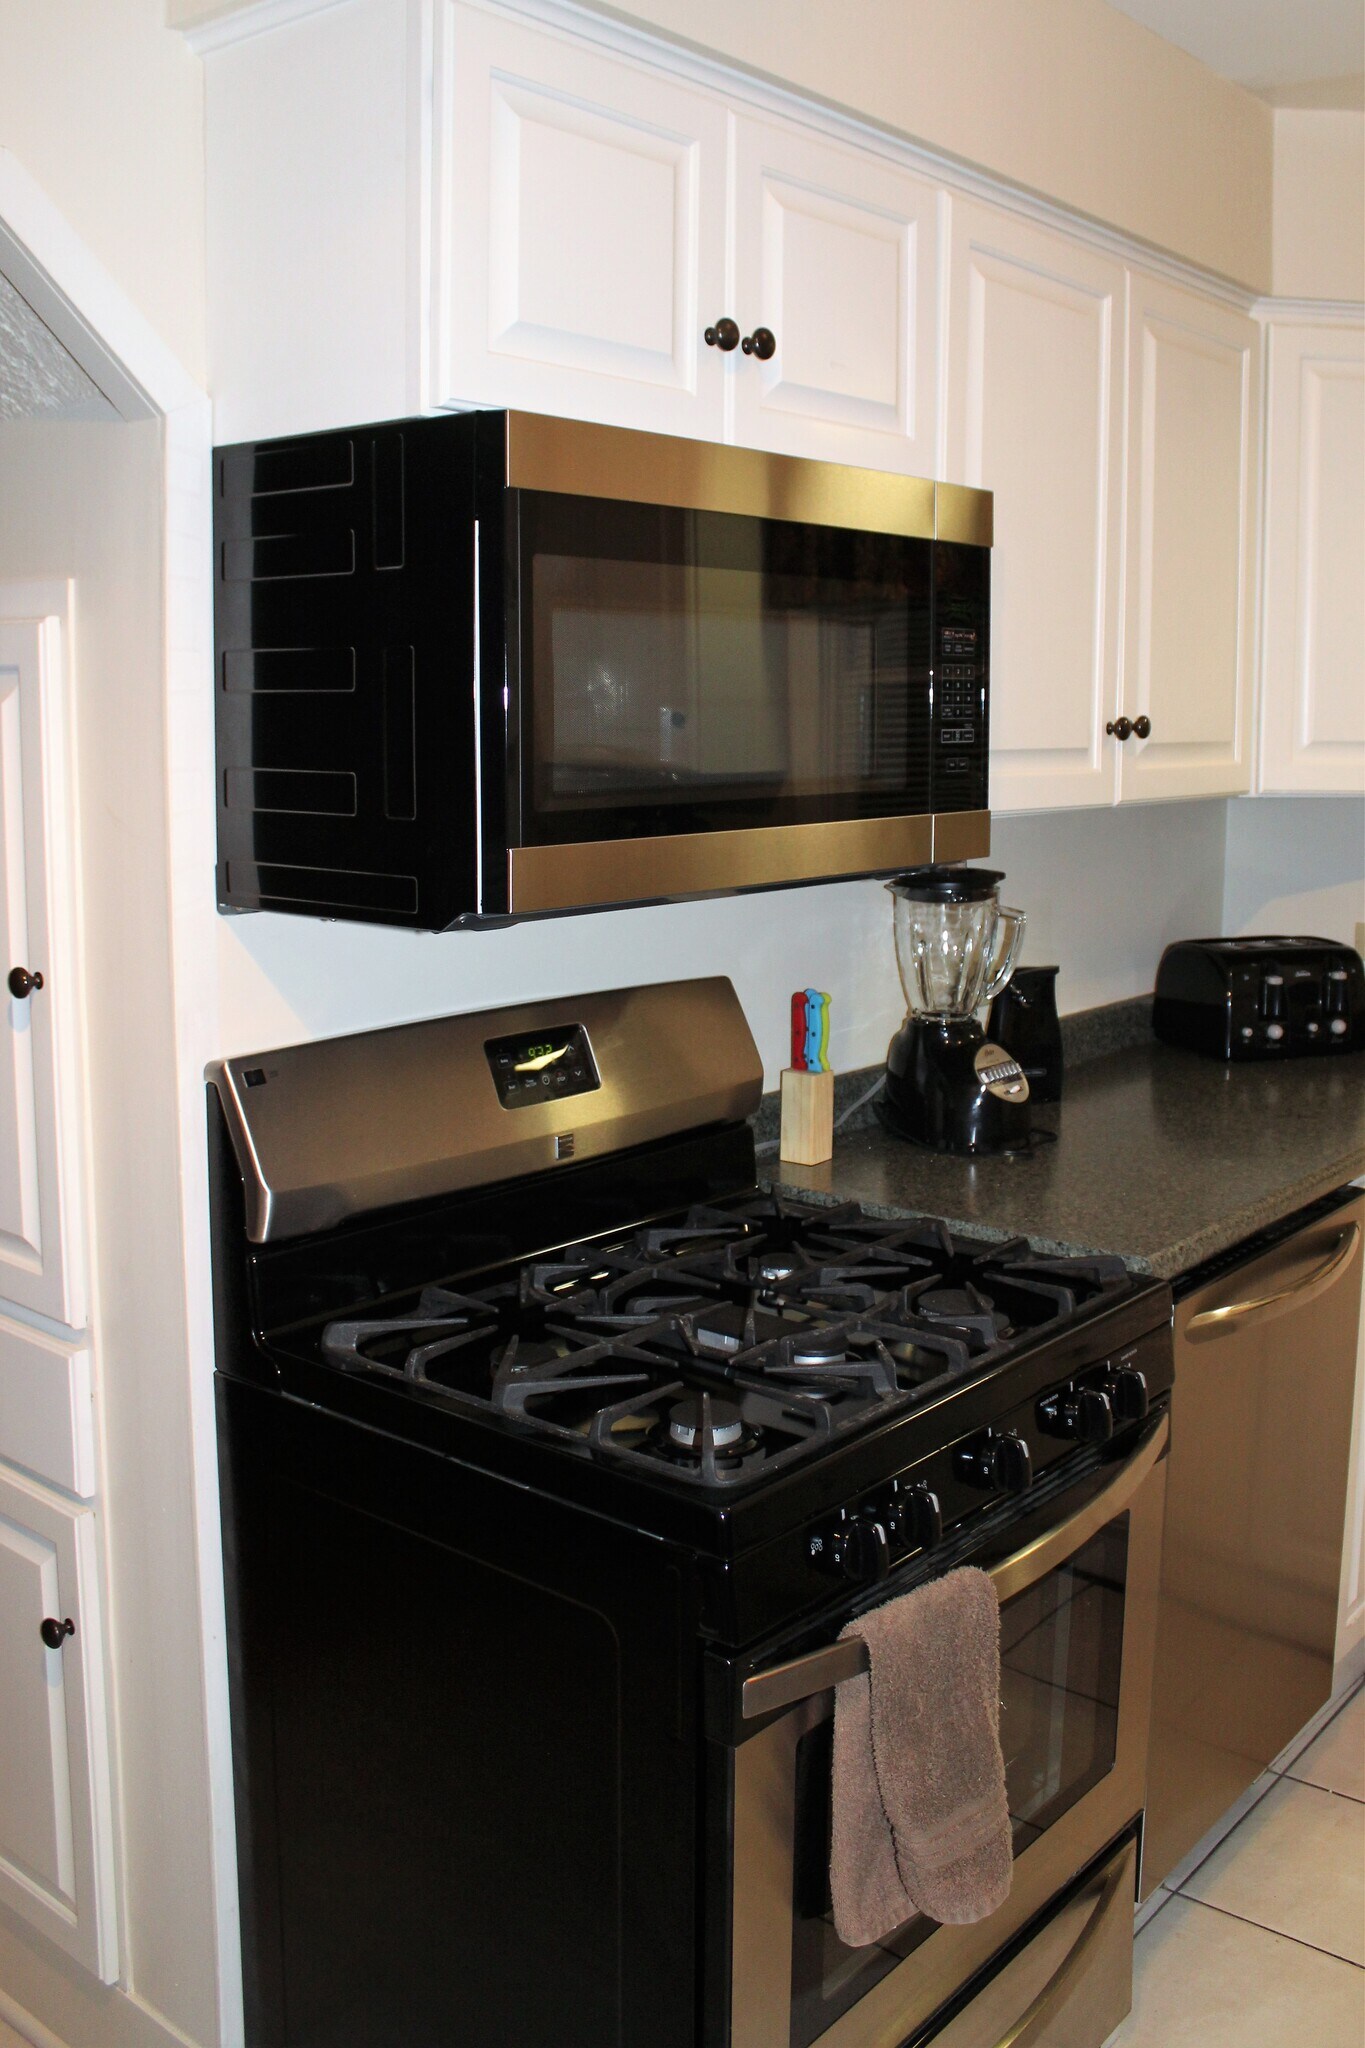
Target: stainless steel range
pixel 556 1454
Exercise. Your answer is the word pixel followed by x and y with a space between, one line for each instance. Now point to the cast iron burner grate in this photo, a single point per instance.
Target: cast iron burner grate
pixel 731 1342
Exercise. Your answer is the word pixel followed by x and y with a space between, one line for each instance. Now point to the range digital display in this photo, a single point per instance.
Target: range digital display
pixel 542 1065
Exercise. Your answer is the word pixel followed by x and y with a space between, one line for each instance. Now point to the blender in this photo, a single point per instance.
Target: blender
pixel 947 1086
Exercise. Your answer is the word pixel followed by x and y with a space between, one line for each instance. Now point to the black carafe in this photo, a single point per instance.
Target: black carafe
pixel 1024 1020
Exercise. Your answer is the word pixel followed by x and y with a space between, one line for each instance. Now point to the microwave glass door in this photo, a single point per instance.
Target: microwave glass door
pixel 1061 1645
pixel 681 671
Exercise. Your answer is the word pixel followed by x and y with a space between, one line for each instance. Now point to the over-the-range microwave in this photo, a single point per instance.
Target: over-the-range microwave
pixel 491 665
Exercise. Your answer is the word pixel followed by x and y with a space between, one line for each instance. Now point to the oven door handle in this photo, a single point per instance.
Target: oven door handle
pixel 785 1685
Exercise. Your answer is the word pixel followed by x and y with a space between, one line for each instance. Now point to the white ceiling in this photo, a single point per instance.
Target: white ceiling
pixel 39 379
pixel 1292 52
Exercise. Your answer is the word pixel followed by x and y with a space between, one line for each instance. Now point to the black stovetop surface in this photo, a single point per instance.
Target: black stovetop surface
pixel 720 1347
pixel 653 1339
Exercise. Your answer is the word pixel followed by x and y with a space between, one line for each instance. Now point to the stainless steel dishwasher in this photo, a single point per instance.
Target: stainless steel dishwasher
pixel 1255 1515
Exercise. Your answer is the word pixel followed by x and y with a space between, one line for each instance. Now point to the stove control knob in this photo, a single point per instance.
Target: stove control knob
pixel 995 1463
pixel 862 1551
pixel 917 1515
pixel 1082 1413
pixel 858 1549
pixel 1127 1391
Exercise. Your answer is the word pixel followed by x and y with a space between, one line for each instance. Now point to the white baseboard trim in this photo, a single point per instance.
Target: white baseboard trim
pixel 24 2023
pixel 1349 1671
pixel 90 2014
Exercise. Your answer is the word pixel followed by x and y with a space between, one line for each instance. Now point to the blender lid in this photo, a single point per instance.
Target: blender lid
pixel 947 884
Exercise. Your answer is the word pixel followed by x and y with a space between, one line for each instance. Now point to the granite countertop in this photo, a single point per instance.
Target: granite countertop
pixel 1162 1156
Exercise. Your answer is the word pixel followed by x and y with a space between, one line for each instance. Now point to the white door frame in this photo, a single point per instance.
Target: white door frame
pixel 69 289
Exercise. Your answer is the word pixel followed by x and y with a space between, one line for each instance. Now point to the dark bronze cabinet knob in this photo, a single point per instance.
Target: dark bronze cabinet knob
pixel 55 1633
pixel 761 343
pixel 724 336
pixel 22 983
pixel 1120 727
pixel 1142 727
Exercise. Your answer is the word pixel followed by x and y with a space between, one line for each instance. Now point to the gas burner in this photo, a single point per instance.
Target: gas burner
pixel 963 1311
pixel 702 1429
pixel 688 1422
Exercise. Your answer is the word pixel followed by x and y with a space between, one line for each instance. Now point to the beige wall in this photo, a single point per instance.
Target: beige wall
pixel 103 106
pixel 1319 213
pixel 1068 98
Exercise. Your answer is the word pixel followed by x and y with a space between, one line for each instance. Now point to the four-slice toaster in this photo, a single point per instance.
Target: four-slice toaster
pixel 1261 998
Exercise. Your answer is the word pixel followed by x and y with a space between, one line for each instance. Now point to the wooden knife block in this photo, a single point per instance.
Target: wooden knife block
pixel 807 1117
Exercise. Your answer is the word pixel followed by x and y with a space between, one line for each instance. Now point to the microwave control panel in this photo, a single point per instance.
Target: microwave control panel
pixel 542 1065
pixel 961 649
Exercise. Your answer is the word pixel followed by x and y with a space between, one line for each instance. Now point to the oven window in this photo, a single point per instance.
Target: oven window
pixel 1061 1644
pixel 681 671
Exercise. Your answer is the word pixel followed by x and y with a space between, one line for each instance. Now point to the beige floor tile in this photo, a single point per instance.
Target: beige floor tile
pixel 1336 1759
pixel 1296 1864
pixel 1204 1980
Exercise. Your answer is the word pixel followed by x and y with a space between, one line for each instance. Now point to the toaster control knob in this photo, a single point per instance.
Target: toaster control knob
pixel 1338 1027
pixel 1083 1413
pixel 995 1463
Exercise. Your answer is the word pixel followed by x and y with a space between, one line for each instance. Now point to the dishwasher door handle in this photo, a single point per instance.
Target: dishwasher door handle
pixel 1235 1315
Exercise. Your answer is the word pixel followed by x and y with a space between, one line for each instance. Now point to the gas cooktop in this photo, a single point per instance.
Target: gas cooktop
pixel 723 1346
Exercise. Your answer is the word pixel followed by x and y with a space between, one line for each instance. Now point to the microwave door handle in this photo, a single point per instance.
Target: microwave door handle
pixel 1214 1322
pixel 786 1685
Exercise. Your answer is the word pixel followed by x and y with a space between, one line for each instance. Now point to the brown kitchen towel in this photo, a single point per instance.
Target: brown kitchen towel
pixel 921 1822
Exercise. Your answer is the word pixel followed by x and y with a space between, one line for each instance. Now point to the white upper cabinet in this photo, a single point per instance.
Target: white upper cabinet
pixel 835 256
pixel 613 244
pixel 1192 493
pixel 578 222
pixel 40 1260
pixel 1035 409
pixel 1313 647
pixel 56 1836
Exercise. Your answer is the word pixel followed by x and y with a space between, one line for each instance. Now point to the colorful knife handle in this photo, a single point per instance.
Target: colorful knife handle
pixel 799 1031
pixel 810 1031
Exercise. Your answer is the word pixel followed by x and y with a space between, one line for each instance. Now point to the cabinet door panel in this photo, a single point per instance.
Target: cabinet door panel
pixel 1035 414
pixel 1313 673
pixel 38 1170
pixel 1191 517
pixel 834 253
pixel 579 225
pixel 56 1852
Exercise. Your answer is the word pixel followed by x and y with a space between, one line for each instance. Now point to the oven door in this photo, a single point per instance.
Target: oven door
pixel 1078 1613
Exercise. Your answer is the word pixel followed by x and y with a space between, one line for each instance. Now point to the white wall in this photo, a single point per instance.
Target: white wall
pixel 1297 865
pixel 1319 207
pixel 1103 891
pixel 86 500
pixel 104 106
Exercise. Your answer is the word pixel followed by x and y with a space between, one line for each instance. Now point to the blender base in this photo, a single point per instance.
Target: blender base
pixel 936 1095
